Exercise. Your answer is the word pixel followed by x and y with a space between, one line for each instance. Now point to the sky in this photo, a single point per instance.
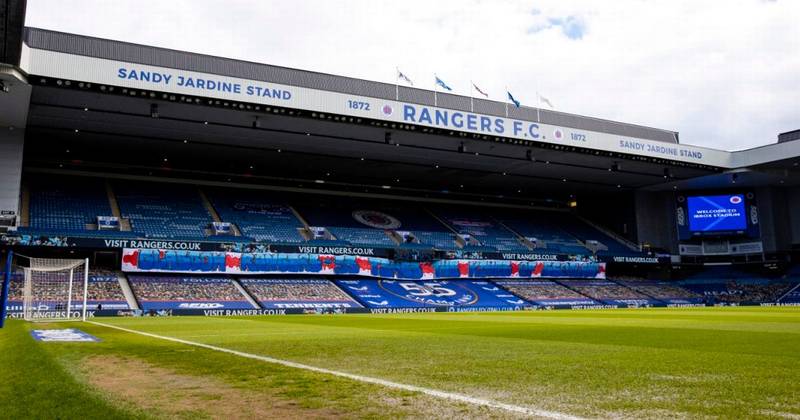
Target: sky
pixel 723 73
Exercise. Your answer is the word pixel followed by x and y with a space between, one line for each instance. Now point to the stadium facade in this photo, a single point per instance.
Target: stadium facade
pixel 239 180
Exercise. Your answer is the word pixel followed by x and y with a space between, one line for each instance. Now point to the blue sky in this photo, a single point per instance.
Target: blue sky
pixel 724 73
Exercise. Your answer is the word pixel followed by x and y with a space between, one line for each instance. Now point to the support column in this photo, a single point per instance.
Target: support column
pixel 14 102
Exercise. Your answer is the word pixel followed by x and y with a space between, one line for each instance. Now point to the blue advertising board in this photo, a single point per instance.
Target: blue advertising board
pixel 195 304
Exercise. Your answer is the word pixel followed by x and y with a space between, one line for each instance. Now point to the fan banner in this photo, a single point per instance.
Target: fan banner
pixel 443 293
pixel 171 261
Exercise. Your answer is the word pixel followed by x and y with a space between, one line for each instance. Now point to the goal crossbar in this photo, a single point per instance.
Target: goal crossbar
pixel 55 289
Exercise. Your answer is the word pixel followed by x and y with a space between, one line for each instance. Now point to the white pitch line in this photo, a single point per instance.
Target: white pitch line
pixel 413 388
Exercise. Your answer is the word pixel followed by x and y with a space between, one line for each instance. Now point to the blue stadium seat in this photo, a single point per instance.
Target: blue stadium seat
pixel 257 215
pixel 345 219
pixel 483 228
pixel 360 236
pixel 66 204
pixel 163 211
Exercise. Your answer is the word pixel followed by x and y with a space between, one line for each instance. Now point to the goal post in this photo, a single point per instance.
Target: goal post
pixel 5 288
pixel 54 289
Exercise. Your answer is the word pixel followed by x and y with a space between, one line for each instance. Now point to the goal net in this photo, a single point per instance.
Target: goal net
pixel 55 289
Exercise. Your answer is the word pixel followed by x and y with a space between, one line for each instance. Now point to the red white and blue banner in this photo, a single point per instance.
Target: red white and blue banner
pixel 171 261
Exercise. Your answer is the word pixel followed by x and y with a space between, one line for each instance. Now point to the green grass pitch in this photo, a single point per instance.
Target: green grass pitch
pixel 639 363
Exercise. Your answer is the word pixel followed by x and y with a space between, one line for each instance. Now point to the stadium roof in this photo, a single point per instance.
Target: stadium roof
pixel 103 105
pixel 161 57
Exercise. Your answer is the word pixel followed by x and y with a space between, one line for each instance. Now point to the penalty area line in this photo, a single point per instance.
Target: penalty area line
pixel 367 379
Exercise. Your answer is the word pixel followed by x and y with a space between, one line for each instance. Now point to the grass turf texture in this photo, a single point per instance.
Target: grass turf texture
pixel 714 362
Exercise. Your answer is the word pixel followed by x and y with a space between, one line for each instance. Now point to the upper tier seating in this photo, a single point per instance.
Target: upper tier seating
pixel 584 232
pixel 360 236
pixel 367 222
pixel 163 211
pixel 545 227
pixel 66 204
pixel 439 240
pixel 483 228
pixel 257 215
pixel 177 211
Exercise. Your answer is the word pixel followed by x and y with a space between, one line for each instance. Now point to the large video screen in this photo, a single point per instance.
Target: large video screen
pixel 716 213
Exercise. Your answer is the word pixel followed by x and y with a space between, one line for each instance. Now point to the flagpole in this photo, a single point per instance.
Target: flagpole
pixel 506 101
pixel 471 86
pixel 538 118
pixel 435 90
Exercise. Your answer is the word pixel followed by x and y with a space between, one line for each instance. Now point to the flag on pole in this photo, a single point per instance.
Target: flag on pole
pixel 440 82
pixel 479 90
pixel 511 98
pixel 404 78
pixel 545 100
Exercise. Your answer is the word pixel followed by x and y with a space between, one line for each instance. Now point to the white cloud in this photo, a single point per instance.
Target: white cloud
pixel 723 73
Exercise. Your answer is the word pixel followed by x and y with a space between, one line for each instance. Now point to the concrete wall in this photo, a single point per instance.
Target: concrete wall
pixel 11 145
pixel 655 220
pixel 773 211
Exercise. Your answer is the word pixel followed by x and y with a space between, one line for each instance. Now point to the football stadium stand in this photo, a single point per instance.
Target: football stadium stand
pixel 366 196
pixel 482 228
pixel 377 223
pixel 15 287
pixel 297 293
pixel 539 229
pixel 585 232
pixel 104 291
pixel 725 284
pixel 792 296
pixel 737 292
pixel 257 215
pixel 66 206
pixel 163 211
pixel 360 236
pixel 176 211
pixel 186 292
pixel 663 291
pixel 608 292
pixel 543 292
